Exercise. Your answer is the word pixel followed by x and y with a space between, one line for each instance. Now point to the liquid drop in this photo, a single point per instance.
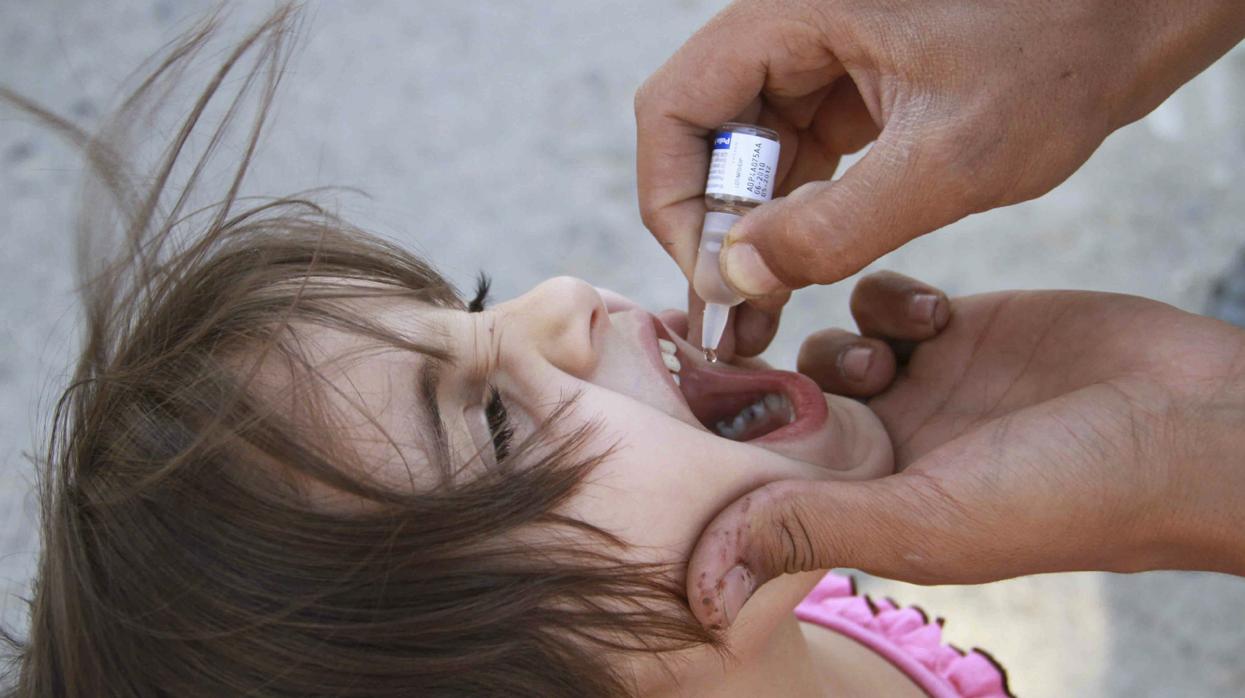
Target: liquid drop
pixel 711 356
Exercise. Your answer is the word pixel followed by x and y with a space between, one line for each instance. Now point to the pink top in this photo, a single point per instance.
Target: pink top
pixel 905 638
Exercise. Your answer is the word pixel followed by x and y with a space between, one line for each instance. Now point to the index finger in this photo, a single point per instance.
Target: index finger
pixel 751 55
pixel 714 77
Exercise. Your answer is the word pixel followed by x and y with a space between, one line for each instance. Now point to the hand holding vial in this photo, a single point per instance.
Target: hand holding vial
pixel 968 107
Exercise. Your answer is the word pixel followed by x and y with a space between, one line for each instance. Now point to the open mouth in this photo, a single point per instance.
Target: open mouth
pixel 742 404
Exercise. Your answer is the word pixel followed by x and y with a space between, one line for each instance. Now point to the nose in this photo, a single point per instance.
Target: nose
pixel 562 319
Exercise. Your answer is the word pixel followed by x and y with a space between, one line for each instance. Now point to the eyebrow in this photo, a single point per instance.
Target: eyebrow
pixel 429 378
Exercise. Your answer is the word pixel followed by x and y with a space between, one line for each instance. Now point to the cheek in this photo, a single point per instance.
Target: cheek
pixel 666 481
pixel 649 498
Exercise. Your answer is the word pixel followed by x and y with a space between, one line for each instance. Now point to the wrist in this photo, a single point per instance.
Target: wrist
pixel 1206 528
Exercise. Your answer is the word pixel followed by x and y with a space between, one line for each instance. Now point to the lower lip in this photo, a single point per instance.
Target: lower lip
pixel 807 400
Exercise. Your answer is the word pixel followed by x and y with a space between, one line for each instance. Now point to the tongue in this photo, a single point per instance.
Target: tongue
pixel 733 403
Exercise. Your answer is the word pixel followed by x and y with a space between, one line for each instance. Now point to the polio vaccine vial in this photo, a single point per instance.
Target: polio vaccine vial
pixel 742 168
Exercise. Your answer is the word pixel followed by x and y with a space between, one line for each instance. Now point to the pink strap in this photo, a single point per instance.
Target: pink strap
pixel 906 639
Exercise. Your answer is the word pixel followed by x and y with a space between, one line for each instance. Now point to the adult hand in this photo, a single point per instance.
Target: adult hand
pixel 1036 432
pixel 973 105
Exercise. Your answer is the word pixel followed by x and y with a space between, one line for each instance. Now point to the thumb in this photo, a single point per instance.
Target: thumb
pixel 825 231
pixel 798 526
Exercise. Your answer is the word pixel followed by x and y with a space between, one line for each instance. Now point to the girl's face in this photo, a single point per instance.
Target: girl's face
pixel 686 442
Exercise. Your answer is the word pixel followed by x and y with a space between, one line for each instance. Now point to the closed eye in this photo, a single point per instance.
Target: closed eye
pixel 499 425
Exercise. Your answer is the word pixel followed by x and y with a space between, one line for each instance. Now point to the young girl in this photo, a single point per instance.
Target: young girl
pixel 293 461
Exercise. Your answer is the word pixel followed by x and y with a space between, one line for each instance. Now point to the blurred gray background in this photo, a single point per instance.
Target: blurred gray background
pixel 499 136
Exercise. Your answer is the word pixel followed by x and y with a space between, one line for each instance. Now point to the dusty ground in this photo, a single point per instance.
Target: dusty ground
pixel 499 136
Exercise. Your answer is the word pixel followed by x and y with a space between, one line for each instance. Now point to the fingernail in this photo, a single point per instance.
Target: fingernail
pixel 923 308
pixel 734 589
pixel 854 363
pixel 746 271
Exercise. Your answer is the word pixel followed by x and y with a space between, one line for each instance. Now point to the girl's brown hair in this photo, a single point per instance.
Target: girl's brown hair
pixel 181 554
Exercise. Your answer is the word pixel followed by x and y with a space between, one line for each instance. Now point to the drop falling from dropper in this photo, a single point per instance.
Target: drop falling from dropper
pixel 713 324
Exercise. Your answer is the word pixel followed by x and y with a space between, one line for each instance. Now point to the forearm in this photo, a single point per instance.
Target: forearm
pixel 1173 41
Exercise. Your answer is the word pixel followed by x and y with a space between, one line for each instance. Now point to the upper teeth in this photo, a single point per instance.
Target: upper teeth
pixel 668 356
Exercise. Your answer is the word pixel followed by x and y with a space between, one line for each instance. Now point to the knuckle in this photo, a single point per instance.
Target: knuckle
pixel 657 220
pixel 982 158
pixel 818 346
pixel 643 97
pixel 648 216
pixel 864 292
pixel 815 361
pixel 963 161
pixel 793 529
pixel 805 229
pixel 943 542
pixel 874 300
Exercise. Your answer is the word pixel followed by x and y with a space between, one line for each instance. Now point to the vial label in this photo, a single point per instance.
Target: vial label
pixel 742 165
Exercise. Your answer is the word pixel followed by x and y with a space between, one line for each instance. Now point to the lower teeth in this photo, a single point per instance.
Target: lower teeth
pixel 772 405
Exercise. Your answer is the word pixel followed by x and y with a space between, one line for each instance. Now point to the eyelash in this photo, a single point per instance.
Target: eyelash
pixel 499 425
pixel 495 412
pixel 480 299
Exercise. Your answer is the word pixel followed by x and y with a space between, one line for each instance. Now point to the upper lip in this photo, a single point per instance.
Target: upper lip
pixel 649 334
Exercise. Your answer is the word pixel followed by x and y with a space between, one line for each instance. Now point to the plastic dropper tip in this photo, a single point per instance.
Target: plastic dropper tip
pixel 712 327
